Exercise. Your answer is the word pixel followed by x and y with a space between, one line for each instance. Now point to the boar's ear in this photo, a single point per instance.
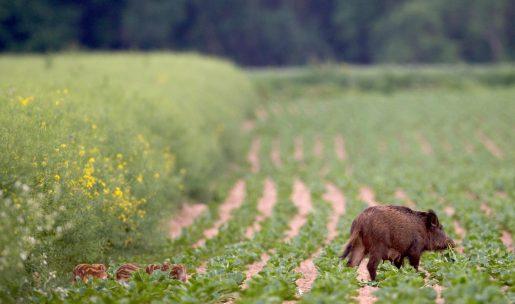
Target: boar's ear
pixel 432 219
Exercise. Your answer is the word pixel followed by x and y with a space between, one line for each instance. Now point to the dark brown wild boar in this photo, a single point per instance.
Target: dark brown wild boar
pixel 392 233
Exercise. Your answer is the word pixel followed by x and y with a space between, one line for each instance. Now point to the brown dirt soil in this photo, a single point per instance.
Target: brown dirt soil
pixel 253 156
pixel 265 207
pixel 490 145
pixel 339 147
pixel 275 154
pixel 507 240
pixel 301 198
pixel 255 268
pixel 458 229
pixel 232 202
pixel 501 194
pixel 202 268
pixel 366 194
pixel 449 211
pixel 365 293
pixel 425 146
pixel 248 125
pixel 486 209
pixel 184 218
pixel 335 197
pixel 298 153
pixel 318 148
pixel 439 289
pixel 436 287
pixel 401 195
pixel 309 274
pixel 307 268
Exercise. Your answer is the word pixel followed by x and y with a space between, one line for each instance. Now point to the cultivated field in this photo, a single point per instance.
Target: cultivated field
pixel 320 146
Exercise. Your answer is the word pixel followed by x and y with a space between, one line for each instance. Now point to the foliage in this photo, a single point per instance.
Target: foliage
pixel 264 32
pixel 97 151
pixel 386 133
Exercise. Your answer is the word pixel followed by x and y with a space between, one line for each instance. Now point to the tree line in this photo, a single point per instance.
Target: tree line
pixel 270 32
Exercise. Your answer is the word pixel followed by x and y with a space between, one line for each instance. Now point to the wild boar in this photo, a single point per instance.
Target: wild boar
pixel 392 233
pixel 153 267
pixel 124 272
pixel 85 271
pixel 178 272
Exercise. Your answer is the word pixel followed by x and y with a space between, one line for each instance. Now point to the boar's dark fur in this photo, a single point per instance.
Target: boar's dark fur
pixel 392 233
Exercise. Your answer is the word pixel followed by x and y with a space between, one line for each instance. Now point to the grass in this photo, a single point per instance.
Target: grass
pixel 427 139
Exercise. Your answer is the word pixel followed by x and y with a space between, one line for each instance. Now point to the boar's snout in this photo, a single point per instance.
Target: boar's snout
pixel 440 241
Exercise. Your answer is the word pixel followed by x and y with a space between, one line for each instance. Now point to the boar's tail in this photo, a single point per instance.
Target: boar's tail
pixel 346 252
pixel 354 238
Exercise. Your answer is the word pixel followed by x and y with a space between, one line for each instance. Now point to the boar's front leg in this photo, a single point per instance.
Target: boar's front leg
pixel 414 260
pixel 414 254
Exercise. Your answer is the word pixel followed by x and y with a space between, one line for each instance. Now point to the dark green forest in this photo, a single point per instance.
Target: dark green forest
pixel 270 32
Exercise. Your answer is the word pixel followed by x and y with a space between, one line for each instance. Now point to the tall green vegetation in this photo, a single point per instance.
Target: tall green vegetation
pixel 264 32
pixel 98 150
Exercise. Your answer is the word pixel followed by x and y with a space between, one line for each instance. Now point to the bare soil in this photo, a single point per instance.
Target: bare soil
pixel 301 198
pixel 339 148
pixel 490 145
pixel 265 207
pixel 232 202
pixel 184 218
pixel 366 194
pixel 253 156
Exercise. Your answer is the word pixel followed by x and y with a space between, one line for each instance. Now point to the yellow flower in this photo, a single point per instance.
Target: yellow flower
pixel 139 178
pixel 57 177
pixel 25 101
pixel 117 192
pixel 93 126
pixel 157 175
pixel 63 145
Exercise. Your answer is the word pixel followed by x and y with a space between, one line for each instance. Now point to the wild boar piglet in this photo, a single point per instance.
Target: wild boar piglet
pixel 392 233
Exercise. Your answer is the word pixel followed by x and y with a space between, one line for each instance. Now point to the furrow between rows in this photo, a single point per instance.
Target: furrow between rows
pixel 233 201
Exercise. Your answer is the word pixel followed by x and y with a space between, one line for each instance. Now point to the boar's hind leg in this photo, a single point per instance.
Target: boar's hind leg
pixel 373 262
pixel 398 263
pixel 356 255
